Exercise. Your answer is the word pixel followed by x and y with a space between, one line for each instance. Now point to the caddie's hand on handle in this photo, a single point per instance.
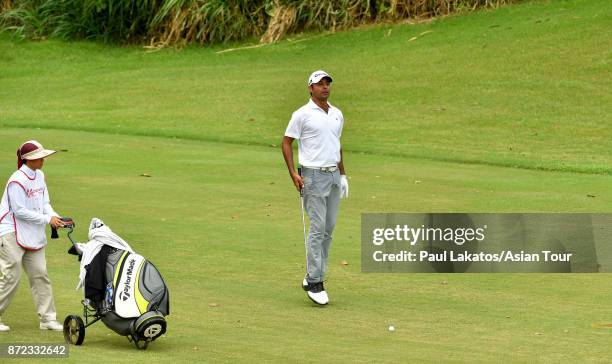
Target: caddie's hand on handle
pixel 56 222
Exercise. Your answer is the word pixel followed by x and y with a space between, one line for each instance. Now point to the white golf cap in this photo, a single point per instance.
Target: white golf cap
pixel 317 76
pixel 32 149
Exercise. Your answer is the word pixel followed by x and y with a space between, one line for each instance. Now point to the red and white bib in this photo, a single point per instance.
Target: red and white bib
pixel 30 235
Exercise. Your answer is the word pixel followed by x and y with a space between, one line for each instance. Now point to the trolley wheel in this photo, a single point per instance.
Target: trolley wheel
pixel 74 330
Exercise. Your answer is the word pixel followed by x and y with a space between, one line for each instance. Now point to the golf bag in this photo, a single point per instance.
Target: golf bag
pixel 121 288
pixel 129 292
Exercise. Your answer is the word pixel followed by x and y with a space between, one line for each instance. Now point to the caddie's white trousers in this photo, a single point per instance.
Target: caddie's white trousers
pixel 12 258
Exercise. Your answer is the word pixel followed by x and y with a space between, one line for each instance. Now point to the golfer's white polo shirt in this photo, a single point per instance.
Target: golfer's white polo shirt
pixel 318 134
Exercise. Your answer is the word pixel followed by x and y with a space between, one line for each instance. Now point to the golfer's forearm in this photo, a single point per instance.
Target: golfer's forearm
pixel 341 163
pixel 288 155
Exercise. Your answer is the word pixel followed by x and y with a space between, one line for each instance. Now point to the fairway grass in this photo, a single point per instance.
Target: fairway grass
pixel 222 224
pixel 525 85
pixel 177 151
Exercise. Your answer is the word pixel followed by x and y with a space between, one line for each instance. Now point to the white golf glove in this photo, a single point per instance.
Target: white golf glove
pixel 343 186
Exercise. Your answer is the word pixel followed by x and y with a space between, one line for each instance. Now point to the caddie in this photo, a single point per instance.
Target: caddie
pixel 318 127
pixel 25 210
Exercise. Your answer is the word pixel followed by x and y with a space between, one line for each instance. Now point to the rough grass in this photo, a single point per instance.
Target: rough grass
pixel 176 22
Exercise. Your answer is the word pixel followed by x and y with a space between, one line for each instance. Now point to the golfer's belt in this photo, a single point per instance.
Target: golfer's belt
pixel 325 169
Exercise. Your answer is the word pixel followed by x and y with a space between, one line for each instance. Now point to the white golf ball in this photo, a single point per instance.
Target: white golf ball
pixel 391 328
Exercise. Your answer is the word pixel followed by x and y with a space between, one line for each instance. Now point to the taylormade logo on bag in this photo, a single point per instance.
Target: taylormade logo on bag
pixel 125 294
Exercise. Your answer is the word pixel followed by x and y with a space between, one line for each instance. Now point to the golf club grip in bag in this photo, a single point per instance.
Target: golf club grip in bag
pixel 300 174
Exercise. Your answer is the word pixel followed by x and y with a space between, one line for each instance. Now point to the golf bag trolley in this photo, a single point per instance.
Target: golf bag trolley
pixel 121 288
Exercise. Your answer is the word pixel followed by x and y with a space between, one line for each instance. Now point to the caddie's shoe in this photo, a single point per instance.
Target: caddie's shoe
pixel 3 327
pixel 51 325
pixel 317 294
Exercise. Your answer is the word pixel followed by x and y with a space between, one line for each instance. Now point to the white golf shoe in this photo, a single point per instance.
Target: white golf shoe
pixel 317 294
pixel 3 327
pixel 51 325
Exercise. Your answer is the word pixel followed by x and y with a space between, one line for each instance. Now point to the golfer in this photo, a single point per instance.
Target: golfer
pixel 317 126
pixel 24 212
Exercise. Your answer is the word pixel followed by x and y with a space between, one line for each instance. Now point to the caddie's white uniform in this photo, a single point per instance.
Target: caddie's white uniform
pixel 24 213
pixel 25 210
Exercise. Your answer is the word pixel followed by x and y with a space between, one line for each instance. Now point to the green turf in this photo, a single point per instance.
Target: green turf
pixel 219 217
pixel 231 235
pixel 526 85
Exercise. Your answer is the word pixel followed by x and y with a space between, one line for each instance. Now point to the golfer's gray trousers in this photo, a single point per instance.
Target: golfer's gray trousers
pixel 321 200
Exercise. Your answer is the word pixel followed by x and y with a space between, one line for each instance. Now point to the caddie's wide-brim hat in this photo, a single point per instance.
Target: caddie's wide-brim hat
pixel 32 149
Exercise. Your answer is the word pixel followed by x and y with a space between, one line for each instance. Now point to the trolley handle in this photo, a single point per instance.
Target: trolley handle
pixel 68 224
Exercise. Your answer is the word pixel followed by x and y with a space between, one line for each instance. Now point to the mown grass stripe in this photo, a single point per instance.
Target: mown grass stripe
pixel 510 164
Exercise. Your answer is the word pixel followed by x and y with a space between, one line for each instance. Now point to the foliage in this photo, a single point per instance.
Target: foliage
pixel 172 22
